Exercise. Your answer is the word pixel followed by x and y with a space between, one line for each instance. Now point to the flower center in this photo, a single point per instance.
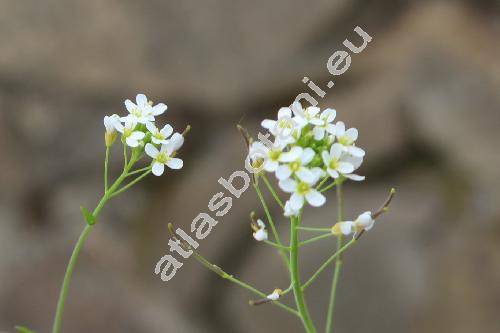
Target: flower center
pixel 159 136
pixel 274 155
pixel 162 158
pixel 127 132
pixel 303 188
pixel 295 165
pixel 136 112
pixel 345 141
pixel 334 164
pixel 285 123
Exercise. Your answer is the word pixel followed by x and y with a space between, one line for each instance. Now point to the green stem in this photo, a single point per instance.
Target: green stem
pixel 314 239
pixel 56 328
pixel 106 162
pixel 132 183
pixel 295 277
pixel 338 263
pixel 277 245
pixel 282 252
pixel 273 192
pixel 327 263
pixel 315 229
pixel 216 269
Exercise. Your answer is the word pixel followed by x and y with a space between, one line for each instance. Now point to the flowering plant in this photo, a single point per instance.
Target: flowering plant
pixel 309 154
pixel 139 136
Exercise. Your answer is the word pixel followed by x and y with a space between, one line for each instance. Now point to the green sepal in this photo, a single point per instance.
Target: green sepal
pixel 88 216
pixel 22 329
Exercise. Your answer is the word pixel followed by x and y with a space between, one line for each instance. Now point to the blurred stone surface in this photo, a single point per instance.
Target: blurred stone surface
pixel 423 95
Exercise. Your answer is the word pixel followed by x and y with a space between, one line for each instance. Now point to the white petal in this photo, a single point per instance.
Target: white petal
pixel 137 135
pixel 306 175
pixel 166 131
pixel 152 128
pixel 130 105
pixel 356 151
pixel 288 185
pixel 268 123
pixel 352 134
pixel 158 109
pixel 315 198
pixel 346 227
pixel 296 201
pixel 326 158
pixel 261 224
pixel 333 173
pixel 317 122
pixel 158 168
pixel 329 115
pixel 340 128
pixel 284 113
pixel 345 168
pixel 330 128
pixel 174 143
pixel 292 155
pixel 355 177
pixel 297 109
pixel 270 166
pixel 131 142
pixel 260 235
pixel 283 172
pixel 312 111
pixel 336 150
pixel 319 133
pixel 175 163
pixel 307 156
pixel 141 100
pixel 151 150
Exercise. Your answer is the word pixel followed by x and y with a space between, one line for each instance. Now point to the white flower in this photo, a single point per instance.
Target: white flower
pixel 295 161
pixel 159 137
pixel 283 127
pixel 347 139
pixel 289 211
pixel 131 136
pixel 270 156
pixel 261 233
pixel 302 191
pixel 335 166
pixel 323 124
pixel 356 163
pixel 307 116
pixel 111 122
pixel 276 294
pixel 143 111
pixel 343 228
pixel 164 155
pixel 364 221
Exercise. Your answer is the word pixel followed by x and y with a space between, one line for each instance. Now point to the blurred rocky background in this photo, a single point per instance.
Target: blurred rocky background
pixel 424 95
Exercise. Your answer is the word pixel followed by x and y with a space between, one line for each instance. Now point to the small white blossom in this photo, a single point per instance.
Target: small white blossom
pixel 276 294
pixel 284 126
pixel 335 166
pixel 289 211
pixel 364 221
pixel 163 156
pixel 143 110
pixel 302 191
pixel 347 139
pixel 306 116
pixel 131 136
pixel 261 233
pixel 270 156
pixel 323 124
pixel 295 164
pixel 159 137
pixel 111 123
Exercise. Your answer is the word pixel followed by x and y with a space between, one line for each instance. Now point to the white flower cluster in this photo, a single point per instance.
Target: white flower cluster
pixel 308 149
pixel 139 131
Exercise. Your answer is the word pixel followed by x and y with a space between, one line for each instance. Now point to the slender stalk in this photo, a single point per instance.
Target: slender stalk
pixel 338 263
pixel 277 245
pixel 56 328
pixel 314 239
pixel 273 191
pixel 295 277
pixel 106 162
pixel 216 269
pixel 282 252
pixel 315 229
pixel 327 263
pixel 132 183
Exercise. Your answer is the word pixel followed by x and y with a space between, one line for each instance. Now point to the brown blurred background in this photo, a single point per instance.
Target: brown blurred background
pixel 424 95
